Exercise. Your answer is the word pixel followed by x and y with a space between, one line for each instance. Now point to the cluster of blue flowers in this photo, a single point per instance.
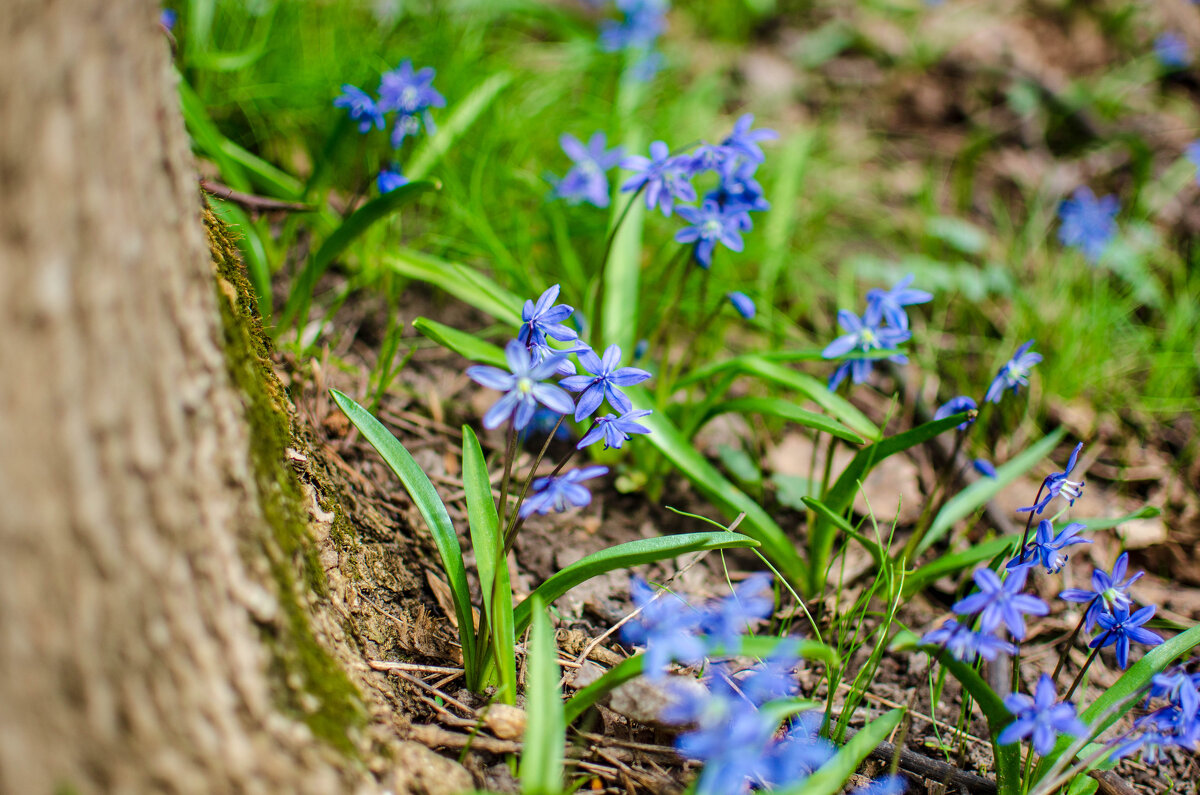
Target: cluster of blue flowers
pixel 1173 724
pixel 641 23
pixel 407 93
pixel 528 391
pixel 731 729
pixel 884 326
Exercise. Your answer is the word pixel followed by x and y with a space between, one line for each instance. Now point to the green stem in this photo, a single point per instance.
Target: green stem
pixel 1062 658
pixel 511 529
pixel 510 452
pixel 1083 670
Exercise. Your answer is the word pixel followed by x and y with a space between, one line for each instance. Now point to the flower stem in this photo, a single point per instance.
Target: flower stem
pixel 510 452
pixel 939 485
pixel 1062 658
pixel 1083 670
pixel 511 529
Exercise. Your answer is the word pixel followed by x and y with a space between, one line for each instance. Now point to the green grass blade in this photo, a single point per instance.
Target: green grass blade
pixel 763 646
pixel 832 776
pixel 877 553
pixel 777 231
pixel 631 553
pixel 493 570
pixel 268 177
pixel 1007 757
pixel 546 731
pixel 209 139
pixel 609 681
pixel 464 283
pixel 358 222
pixel 465 345
pixel 785 410
pixel 465 114
pixel 977 494
pixel 433 511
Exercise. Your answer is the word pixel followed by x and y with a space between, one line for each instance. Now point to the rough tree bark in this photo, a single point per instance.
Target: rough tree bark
pixel 158 624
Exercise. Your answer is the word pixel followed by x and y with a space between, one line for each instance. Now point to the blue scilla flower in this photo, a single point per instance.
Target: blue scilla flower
pixel 1192 153
pixel 800 753
pixel 744 140
pixel 561 492
pixel 963 643
pixel 742 303
pixel 1014 374
pixel 544 318
pixel 956 405
pixel 1088 223
pixel 666 626
pixel 522 387
pixel 774 677
pixel 893 784
pixel 361 106
pixel 603 381
pixel 1057 485
pixel 1001 602
pixel 1047 547
pixel 1120 627
pixel 1172 50
pixel 889 304
pixel 711 157
pixel 1153 744
pixel 1041 718
pixel 643 22
pixel 389 179
pixel 711 224
pixel 410 94
pixel 664 178
pixel 731 739
pixel 738 190
pixel 614 430
pixel 1110 592
pixel 865 337
pixel 167 18
pixel 587 181
pixel 727 619
pixel 984 467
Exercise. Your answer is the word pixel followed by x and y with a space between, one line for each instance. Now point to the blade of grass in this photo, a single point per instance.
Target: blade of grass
pixel 464 283
pixel 465 345
pixel 876 551
pixel 465 114
pixel 1007 757
pixel 546 731
pixel 785 410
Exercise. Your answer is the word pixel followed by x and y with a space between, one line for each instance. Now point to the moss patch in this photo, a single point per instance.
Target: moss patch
pixel 310 684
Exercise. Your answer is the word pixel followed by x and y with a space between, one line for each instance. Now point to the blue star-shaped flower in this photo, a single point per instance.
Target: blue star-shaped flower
pixel 726 620
pixel 864 337
pixel 522 387
pixel 711 224
pixel 664 178
pixel 388 180
pixel 1057 484
pixel 666 626
pixel 361 106
pixel 800 753
pixel 587 181
pixel 614 430
pixel 1042 718
pixel 1014 374
pixel 561 492
pixel 1110 592
pixel 965 644
pixel 1120 628
pixel 738 190
pixel 956 405
pixel 889 304
pixel 744 141
pixel 545 319
pixel 1088 223
pixel 731 739
pixel 1048 547
pixel 604 380
pixel 1001 602
pixel 410 94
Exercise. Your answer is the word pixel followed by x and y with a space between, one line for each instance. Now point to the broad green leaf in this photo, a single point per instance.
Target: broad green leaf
pixel 465 345
pixel 1007 757
pixel 877 553
pixel 622 556
pixel 786 410
pixel 466 284
pixel 493 570
pixel 465 113
pixel 358 222
pixel 978 494
pixel 546 730
pixel 610 680
pixel 832 776
pixel 433 511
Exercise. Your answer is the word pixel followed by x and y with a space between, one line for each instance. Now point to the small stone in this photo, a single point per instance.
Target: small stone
pixel 420 771
pixel 586 674
pixel 505 721
pixel 644 701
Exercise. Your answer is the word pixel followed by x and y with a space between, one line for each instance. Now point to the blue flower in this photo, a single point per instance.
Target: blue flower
pixel 665 626
pixel 614 430
pixel 561 492
pixel 965 644
pixel 998 602
pixel 1042 718
pixel 545 319
pixel 738 190
pixel 604 380
pixel 726 620
pixel 744 141
pixel 1087 222
pixel 411 95
pixel 1014 373
pixel 774 677
pixel 643 23
pixel 800 753
pixel 1172 51
pixel 665 179
pixel 1056 485
pixel 711 157
pixel 884 785
pixel 1192 153
pixel 984 467
pixel 167 18
pixel 522 387
pixel 743 303
pixel 361 107
pixel 1120 628
pixel 731 740
pixel 1110 592
pixel 389 180
pixel 889 304
pixel 709 225
pixel 587 181
pixel 1048 547
pixel 864 337
pixel 956 405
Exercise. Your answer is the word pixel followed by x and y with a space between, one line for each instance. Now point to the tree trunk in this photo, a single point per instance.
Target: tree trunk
pixel 157 627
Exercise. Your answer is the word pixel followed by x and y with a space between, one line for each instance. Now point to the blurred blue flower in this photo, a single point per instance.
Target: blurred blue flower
pixel 410 94
pixel 388 180
pixel 1001 602
pixel 666 626
pixel 522 387
pixel 1120 628
pixel 711 157
pixel 956 405
pixel 1110 592
pixel 1041 718
pixel 614 430
pixel 711 224
pixel 1171 50
pixel 727 619
pixel 1088 223
pixel 1047 547
pixel 744 140
pixel 1014 374
pixel 865 337
pixel 984 467
pixel 965 644
pixel 1056 485
pixel 884 785
pixel 561 492
pixel 167 18
pixel 361 107
pixel 774 677
pixel 604 380
pixel 889 304
pixel 644 21
pixel 587 181
pixel 738 190
pixel 731 739
pixel 664 178
pixel 743 303
pixel 800 753
pixel 1192 153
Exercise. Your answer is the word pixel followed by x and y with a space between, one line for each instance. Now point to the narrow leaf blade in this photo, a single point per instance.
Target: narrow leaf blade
pixel 465 113
pixel 546 731
pixel 785 410
pixel 465 345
